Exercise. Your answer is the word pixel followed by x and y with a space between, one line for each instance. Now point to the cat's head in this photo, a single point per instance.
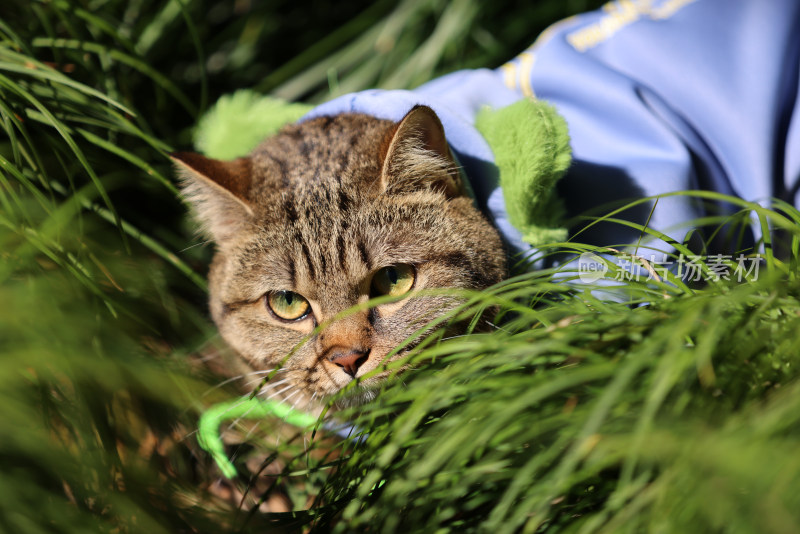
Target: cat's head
pixel 322 217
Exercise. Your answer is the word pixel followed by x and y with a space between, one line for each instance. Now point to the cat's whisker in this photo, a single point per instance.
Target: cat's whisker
pixel 496 327
pixel 197 244
pixel 233 423
pixel 276 393
pixel 255 426
pixel 242 401
pixel 272 387
pixel 295 407
pixel 454 337
pixel 209 357
pixel 310 402
pixel 265 384
pixel 268 384
pixel 190 434
pixel 250 433
pixel 283 422
pixel 287 400
pixel 233 379
pixel 237 420
pixel 266 380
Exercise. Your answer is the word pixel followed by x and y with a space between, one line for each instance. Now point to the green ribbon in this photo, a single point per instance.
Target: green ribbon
pixel 249 408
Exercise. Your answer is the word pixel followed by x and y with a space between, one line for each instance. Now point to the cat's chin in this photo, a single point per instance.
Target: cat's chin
pixel 355 399
pixel 364 391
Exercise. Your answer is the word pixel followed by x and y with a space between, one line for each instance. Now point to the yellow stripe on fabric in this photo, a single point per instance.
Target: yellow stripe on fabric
pixel 526 60
pixel 509 72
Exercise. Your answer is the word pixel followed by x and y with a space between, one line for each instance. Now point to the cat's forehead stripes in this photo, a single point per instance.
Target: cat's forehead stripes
pixel 324 150
pixel 326 251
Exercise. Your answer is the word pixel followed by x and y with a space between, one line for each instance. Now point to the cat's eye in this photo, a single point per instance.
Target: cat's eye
pixel 394 280
pixel 288 305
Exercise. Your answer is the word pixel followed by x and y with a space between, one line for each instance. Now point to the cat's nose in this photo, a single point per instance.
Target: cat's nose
pixel 348 359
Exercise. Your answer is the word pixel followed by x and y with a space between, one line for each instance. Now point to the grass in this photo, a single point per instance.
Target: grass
pixel 672 408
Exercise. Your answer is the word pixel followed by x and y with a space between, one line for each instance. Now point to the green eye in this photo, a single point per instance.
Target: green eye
pixel 394 280
pixel 288 305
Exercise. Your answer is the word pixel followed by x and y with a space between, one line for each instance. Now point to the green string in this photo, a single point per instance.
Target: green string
pixel 249 408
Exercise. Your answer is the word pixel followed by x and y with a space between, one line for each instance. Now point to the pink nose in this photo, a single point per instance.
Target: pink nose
pixel 348 360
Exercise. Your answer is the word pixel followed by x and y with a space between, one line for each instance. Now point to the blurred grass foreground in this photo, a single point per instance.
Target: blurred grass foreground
pixel 677 410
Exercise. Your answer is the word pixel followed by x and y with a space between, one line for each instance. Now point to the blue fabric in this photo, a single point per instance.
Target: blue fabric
pixel 659 96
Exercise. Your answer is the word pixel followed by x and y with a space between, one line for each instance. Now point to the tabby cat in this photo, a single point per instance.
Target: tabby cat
pixel 323 216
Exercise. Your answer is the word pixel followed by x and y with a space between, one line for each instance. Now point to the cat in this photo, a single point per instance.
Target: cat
pixel 323 216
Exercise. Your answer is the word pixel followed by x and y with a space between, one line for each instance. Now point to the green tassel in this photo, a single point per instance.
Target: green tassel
pixel 240 121
pixel 250 408
pixel 530 143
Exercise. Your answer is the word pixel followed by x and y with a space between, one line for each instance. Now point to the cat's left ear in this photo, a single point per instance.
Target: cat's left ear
pixel 417 156
pixel 218 192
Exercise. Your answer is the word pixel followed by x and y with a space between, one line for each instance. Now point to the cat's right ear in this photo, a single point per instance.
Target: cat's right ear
pixel 417 156
pixel 218 192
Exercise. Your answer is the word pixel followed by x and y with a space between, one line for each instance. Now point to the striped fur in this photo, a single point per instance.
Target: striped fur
pixel 326 204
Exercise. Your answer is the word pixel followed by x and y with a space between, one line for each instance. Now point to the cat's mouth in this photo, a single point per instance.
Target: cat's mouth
pixel 347 379
pixel 356 377
pixel 365 390
pixel 369 375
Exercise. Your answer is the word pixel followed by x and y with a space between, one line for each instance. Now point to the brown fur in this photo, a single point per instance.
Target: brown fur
pixel 318 209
